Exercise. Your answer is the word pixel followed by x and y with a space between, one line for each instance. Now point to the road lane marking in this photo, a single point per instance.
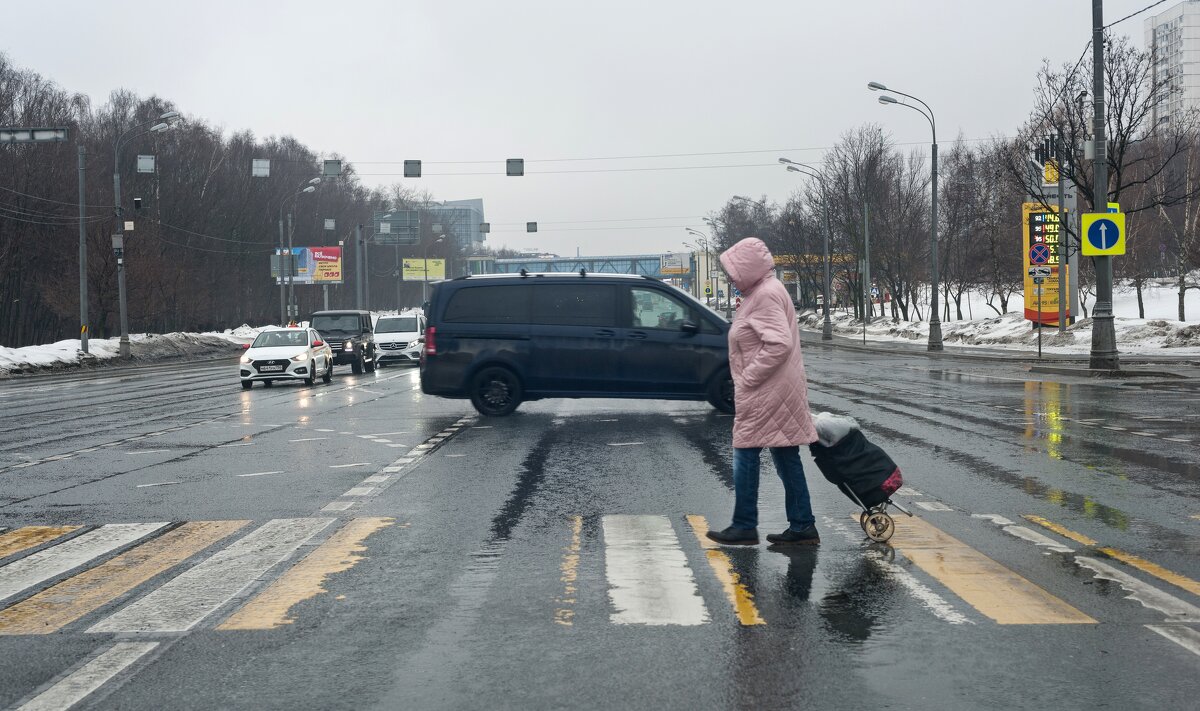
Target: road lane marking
pixel 1028 534
pixel 184 601
pixel 989 587
pixel 1064 532
pixel 1182 440
pixel 935 603
pixel 624 444
pixel 260 473
pixel 58 606
pixel 649 581
pixel 343 466
pixel 360 491
pixel 1185 637
pixel 91 676
pixel 1169 576
pixel 337 506
pixel 1150 596
pixel 933 506
pixel 738 595
pixel 160 483
pixel 1181 581
pixel 455 456
pixel 148 451
pixel 386 434
pixel 236 444
pixel 376 479
pixel 270 608
pixel 308 439
pixel 569 575
pixel 30 536
pixel 52 562
pixel 325 430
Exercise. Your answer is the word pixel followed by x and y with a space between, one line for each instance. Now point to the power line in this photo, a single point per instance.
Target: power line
pixel 1134 14
pixel 60 202
pixel 206 236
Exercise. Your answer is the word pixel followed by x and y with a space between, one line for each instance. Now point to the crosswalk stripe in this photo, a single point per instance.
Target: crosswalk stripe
pixel 649 581
pixel 184 601
pixel 52 609
pixel 739 596
pixel 1185 637
pixel 91 676
pixel 54 561
pixel 269 609
pixel 991 588
pixel 30 536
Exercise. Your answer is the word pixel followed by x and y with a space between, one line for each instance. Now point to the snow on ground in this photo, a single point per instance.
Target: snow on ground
pixel 1158 333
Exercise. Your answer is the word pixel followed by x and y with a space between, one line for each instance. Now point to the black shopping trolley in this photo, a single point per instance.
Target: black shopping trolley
pixel 866 475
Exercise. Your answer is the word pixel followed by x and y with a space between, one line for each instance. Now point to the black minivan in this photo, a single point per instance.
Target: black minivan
pixel 499 339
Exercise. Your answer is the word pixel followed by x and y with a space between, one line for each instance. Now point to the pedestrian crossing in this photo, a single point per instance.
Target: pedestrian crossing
pixel 162 578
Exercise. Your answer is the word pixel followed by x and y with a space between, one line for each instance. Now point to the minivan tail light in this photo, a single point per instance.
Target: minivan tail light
pixel 430 340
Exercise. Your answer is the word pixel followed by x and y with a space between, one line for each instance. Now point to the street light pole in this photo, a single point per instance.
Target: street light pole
pixel 794 167
pixel 935 320
pixel 287 280
pixel 425 265
pixel 163 122
pixel 1104 336
pixel 703 240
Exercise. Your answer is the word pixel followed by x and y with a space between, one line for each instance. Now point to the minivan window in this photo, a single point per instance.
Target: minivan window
pixel 575 305
pixel 654 309
pixel 488 304
pixel 403 324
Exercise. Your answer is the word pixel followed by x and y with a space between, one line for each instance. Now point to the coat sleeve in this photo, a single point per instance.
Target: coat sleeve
pixel 773 331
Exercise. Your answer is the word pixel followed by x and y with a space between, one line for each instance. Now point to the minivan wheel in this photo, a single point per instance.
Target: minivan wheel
pixel 720 392
pixel 357 365
pixel 495 391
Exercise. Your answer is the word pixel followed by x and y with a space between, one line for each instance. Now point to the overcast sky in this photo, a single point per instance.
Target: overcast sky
pixel 462 85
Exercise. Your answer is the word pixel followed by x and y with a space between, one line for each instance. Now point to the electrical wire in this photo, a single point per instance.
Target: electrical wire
pixel 206 236
pixel 59 202
pixel 1134 14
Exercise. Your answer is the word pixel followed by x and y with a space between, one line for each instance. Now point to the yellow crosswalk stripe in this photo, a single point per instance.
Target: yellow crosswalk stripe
pixel 739 596
pixel 270 608
pixel 989 587
pixel 23 538
pixel 62 604
pixel 1170 576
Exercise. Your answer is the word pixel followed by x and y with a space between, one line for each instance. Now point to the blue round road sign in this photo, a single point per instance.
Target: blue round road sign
pixel 1039 254
pixel 1103 234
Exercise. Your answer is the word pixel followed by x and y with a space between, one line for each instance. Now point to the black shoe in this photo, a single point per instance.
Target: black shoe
pixel 735 536
pixel 808 536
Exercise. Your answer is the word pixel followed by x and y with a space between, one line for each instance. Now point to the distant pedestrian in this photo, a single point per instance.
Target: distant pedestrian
pixel 770 398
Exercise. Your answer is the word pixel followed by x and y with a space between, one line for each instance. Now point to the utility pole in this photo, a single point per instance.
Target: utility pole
pixel 282 279
pixel 291 288
pixel 1104 336
pixel 83 290
pixel 358 268
pixel 1064 274
pixel 868 310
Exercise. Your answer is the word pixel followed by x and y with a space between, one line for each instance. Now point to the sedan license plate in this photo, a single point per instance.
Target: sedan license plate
pixel 265 368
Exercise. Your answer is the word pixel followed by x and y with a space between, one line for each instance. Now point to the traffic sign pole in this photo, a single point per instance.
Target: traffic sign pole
pixel 1104 335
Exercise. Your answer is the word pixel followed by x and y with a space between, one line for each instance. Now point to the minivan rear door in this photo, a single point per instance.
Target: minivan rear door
pixel 574 333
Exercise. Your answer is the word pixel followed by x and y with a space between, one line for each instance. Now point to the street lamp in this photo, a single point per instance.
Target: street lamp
pixel 163 123
pixel 703 241
pixel 794 167
pixel 935 323
pixel 425 267
pixel 288 285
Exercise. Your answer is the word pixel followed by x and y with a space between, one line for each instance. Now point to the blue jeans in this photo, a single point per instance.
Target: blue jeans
pixel 795 488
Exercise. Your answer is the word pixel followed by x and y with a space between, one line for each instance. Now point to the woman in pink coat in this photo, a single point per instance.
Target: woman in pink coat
pixel 770 398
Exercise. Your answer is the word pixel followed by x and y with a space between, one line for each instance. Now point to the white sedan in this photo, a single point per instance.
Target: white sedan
pixel 286 354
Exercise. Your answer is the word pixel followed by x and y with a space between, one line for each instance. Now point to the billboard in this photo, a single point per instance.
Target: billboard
pixel 1041 248
pixel 314 265
pixel 424 269
pixel 679 263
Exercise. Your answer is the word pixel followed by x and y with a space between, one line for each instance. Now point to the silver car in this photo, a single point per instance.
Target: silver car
pixel 286 354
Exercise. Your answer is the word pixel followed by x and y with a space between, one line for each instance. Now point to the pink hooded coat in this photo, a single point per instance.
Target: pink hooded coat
pixel 770 388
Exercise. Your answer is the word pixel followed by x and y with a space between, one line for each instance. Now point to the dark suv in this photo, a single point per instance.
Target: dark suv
pixel 350 335
pixel 499 339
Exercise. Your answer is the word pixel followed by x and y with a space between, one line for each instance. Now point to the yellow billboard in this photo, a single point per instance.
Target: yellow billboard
pixel 1041 248
pixel 424 269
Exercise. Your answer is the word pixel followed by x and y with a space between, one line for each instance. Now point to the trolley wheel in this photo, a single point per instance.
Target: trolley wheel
pixel 862 520
pixel 880 527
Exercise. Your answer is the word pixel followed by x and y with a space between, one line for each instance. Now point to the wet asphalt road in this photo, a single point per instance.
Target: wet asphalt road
pixel 377 548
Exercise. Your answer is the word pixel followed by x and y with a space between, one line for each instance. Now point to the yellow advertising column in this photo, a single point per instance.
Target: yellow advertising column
pixel 1041 247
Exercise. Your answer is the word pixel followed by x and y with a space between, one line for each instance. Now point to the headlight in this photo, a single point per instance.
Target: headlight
pixel 299 357
pixel 246 358
pixel 348 345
